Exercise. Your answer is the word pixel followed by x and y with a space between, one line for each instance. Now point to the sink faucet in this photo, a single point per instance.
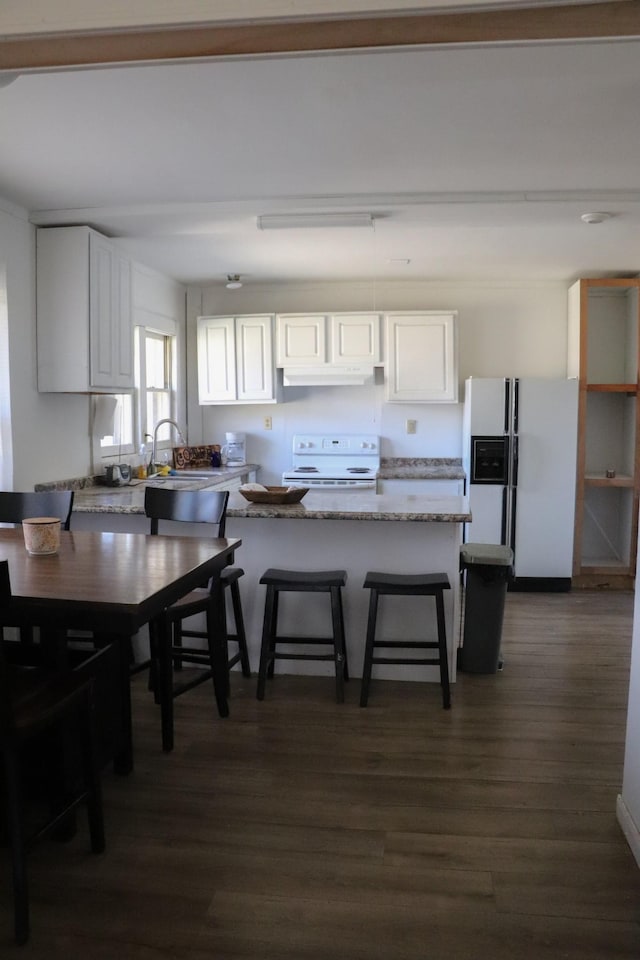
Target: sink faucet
pixel 155 437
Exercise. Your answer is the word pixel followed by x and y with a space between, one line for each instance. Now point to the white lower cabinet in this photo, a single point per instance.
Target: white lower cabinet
pixel 421 357
pixel 235 360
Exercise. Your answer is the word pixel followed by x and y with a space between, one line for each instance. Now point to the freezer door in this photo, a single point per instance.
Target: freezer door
pixel 547 444
pixel 486 405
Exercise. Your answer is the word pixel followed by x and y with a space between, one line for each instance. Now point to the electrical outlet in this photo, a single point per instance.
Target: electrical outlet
pixel 268 423
pixel 411 426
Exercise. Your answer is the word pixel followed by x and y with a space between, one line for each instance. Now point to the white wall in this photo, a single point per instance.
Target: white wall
pixel 514 329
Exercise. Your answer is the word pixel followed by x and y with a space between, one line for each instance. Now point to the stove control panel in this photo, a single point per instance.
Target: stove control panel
pixel 336 444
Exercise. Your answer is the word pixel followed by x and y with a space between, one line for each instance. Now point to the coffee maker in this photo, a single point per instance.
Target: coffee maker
pixel 233 451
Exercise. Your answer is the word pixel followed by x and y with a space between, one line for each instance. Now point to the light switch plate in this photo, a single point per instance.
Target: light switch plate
pixel 411 426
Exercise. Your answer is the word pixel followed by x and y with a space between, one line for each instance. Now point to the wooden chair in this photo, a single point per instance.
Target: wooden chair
pixel 197 506
pixel 16 507
pixel 33 702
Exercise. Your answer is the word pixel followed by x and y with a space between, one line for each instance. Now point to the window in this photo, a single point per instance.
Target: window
pixel 156 393
pixel 132 417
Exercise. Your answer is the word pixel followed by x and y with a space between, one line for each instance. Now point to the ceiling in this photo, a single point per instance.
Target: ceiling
pixel 476 162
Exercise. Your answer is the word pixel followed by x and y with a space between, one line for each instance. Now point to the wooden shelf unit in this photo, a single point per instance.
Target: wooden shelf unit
pixel 603 353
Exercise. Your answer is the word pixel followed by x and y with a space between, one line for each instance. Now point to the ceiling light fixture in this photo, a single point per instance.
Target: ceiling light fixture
pixel 233 281
pixel 597 217
pixel 294 221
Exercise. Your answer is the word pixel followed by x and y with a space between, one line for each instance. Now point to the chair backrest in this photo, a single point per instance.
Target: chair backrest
pixel 15 507
pixel 191 506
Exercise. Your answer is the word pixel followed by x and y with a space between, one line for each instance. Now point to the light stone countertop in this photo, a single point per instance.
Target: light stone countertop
pixel 421 468
pixel 315 506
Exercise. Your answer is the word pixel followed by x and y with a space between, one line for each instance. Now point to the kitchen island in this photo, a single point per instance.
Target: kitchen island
pixel 352 531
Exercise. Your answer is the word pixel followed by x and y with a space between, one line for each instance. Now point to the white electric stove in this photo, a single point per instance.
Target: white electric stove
pixel 334 461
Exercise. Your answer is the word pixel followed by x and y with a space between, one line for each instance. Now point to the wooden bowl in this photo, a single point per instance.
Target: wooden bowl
pixel 275 495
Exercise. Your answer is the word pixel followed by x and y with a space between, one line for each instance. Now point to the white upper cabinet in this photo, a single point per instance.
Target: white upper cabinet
pixel 317 338
pixel 354 338
pixel 421 357
pixel 84 327
pixel 235 360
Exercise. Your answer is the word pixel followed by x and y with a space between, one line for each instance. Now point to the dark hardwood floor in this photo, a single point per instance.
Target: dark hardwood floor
pixel 299 829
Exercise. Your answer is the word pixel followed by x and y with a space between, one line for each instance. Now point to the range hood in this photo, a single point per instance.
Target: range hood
pixel 328 375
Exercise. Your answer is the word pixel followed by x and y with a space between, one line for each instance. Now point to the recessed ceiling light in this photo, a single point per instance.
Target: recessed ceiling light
pixel 233 281
pixel 597 217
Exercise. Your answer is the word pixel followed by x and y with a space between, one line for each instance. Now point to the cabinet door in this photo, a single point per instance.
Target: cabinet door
pixel 254 358
pixel 110 331
pixel 216 359
pixel 301 340
pixel 354 338
pixel 421 362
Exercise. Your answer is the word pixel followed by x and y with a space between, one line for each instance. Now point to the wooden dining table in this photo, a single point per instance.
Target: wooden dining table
pixel 112 584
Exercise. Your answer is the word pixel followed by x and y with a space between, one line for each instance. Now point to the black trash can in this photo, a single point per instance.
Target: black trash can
pixel 488 569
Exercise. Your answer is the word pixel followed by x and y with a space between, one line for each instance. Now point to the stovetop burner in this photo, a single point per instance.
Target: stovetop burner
pixel 358 470
pixel 306 470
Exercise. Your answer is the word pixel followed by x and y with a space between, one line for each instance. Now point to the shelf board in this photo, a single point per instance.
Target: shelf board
pixel 629 388
pixel 604 566
pixel 599 480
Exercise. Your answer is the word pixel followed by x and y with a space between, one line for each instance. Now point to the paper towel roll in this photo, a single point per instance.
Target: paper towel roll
pixel 103 414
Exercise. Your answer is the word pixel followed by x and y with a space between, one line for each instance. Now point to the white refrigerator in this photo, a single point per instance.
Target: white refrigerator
pixel 519 454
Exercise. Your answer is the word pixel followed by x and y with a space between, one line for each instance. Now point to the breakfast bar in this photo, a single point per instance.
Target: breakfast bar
pixel 358 532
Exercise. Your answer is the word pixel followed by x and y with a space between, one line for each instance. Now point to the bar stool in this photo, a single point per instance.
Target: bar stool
pixel 294 581
pixel 406 585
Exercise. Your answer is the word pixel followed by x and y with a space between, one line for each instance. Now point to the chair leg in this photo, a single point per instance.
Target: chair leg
pixel 240 631
pixel 164 685
pixel 368 650
pixel 442 647
pixel 273 632
pixel 177 643
pixel 92 778
pixel 217 643
pixel 17 843
pixel 268 632
pixel 339 644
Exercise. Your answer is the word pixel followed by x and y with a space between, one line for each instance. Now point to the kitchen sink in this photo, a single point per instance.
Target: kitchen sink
pixel 184 475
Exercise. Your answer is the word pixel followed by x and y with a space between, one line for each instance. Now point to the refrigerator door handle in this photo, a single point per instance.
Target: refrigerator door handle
pixel 514 462
pixel 512 533
pixel 516 405
pixel 507 405
pixel 503 521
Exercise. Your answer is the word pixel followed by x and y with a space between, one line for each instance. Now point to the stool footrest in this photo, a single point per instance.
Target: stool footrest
pixel 409 644
pixel 324 640
pixel 302 656
pixel 433 661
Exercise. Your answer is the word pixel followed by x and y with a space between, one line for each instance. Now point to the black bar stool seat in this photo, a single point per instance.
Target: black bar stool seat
pixel 303 581
pixel 407 585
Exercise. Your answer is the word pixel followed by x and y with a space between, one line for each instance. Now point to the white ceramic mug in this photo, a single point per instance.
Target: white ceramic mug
pixel 41 535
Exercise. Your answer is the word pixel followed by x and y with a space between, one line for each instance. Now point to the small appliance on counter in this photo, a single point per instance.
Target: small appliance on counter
pixel 233 451
pixel 336 461
pixel 117 475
